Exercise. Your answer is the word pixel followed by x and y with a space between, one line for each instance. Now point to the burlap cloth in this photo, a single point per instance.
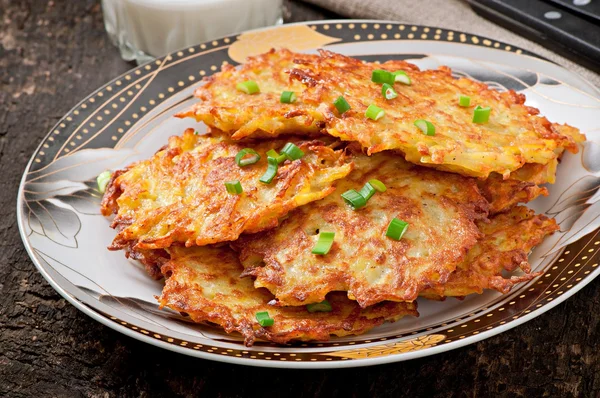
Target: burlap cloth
pixel 450 14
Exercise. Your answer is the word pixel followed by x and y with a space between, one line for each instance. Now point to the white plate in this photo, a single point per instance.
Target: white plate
pixel 131 117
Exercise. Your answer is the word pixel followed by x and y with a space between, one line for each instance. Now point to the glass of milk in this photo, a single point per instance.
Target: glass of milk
pixel 144 29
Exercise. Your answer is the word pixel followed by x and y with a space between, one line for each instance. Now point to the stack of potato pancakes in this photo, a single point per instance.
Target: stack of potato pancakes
pixel 329 194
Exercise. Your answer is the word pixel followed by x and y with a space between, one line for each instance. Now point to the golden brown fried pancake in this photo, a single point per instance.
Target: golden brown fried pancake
pixel 179 194
pixel 441 209
pixel 507 240
pixel 204 283
pixel 513 136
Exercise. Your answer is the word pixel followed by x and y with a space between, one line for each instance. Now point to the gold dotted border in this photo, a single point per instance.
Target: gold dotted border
pixel 105 109
pixel 388 31
pixel 123 90
pixel 249 353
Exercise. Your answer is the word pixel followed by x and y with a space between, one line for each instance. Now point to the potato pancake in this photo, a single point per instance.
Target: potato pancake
pixel 179 195
pixel 441 209
pixel 507 240
pixel 513 136
pixel 205 283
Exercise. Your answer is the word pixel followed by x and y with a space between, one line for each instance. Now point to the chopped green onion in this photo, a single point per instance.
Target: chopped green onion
pixel 271 171
pixel 481 115
pixel 292 151
pixel 402 77
pixel 341 104
pixel 372 186
pixel 196 132
pixel 354 199
pixel 248 87
pixel 396 229
pixel 374 112
pixel 382 76
pixel 367 191
pixel 103 180
pixel 239 158
pixel 264 319
pixel 323 306
pixel 234 187
pixel 464 101
pixel 378 185
pixel 388 92
pixel 287 97
pixel 271 153
pixel 426 127
pixel 324 243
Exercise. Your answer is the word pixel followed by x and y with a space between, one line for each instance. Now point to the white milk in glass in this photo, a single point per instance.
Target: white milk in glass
pixel 143 29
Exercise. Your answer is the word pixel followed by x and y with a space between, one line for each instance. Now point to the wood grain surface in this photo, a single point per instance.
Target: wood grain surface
pixel 52 54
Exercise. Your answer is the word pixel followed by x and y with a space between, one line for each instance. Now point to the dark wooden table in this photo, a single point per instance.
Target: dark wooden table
pixel 53 53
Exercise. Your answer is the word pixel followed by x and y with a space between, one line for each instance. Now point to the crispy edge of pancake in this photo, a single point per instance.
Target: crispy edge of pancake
pixel 297 183
pixel 205 283
pixel 503 195
pixel 152 260
pixel 281 259
pixel 508 238
pixel 524 184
